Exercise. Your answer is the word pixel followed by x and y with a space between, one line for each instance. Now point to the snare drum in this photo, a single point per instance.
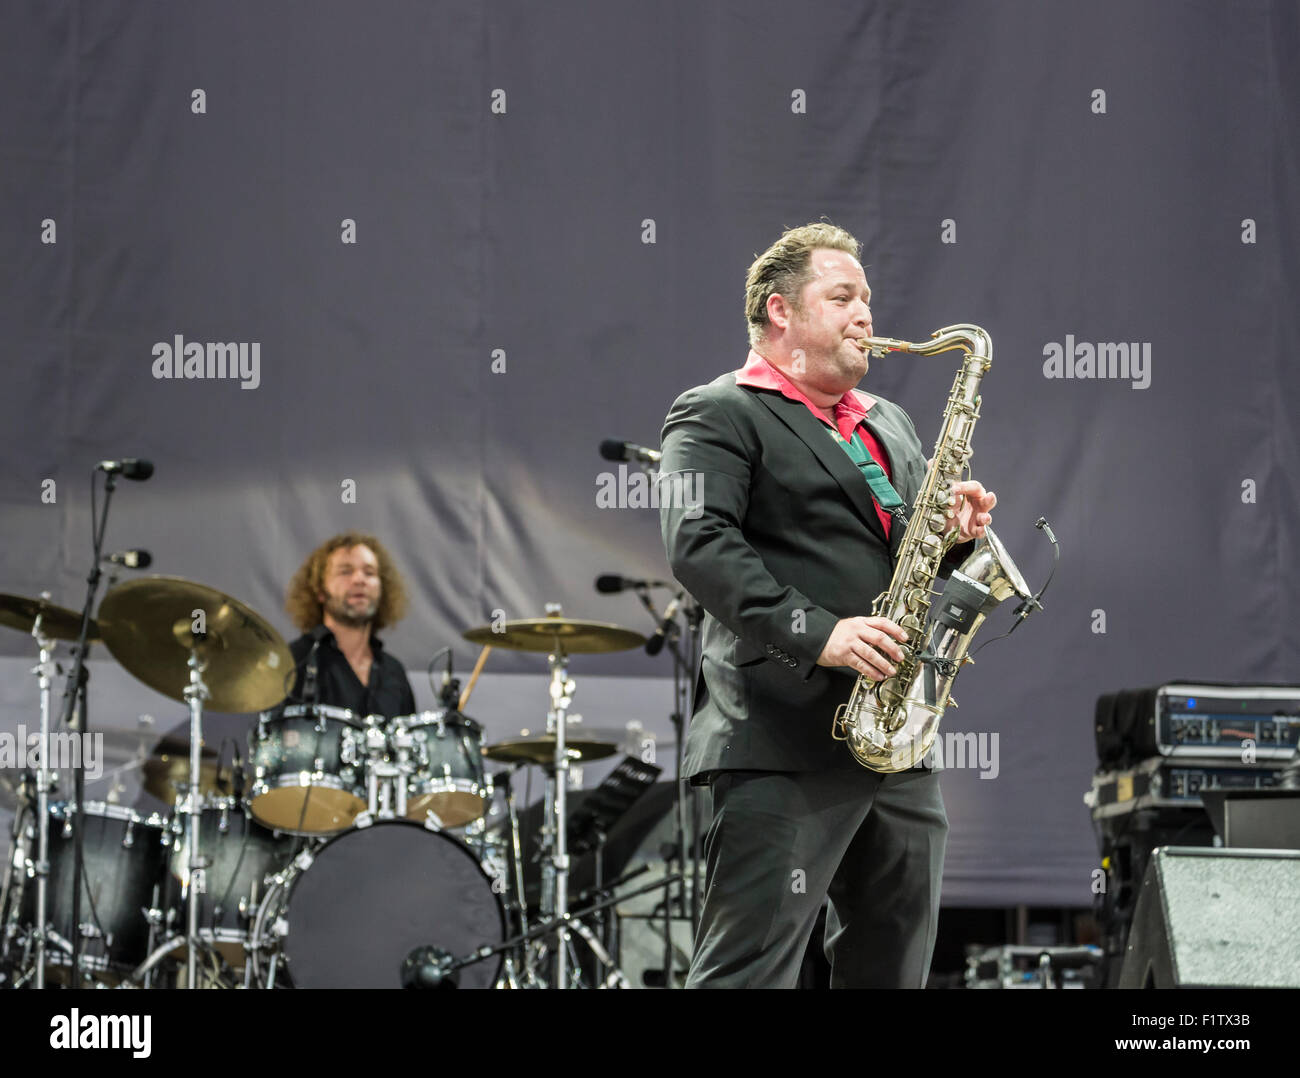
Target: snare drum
pixel 351 913
pixel 308 769
pixel 448 779
pixel 124 858
pixel 241 854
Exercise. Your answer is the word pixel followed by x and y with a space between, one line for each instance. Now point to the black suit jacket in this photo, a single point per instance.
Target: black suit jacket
pixel 782 541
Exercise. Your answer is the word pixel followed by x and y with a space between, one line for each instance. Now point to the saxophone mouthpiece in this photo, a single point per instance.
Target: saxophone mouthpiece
pixel 878 346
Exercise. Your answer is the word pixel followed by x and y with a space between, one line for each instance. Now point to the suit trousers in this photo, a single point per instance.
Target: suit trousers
pixel 782 841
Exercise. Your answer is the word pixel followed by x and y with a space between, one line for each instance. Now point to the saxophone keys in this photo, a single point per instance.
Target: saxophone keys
pixel 952 703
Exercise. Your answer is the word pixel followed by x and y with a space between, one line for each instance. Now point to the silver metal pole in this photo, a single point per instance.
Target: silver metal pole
pixel 557 722
pixel 195 693
pixel 44 671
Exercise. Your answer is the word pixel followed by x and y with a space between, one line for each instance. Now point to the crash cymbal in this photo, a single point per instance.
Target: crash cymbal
pixel 147 624
pixel 58 622
pixel 540 749
pixel 164 776
pixel 569 635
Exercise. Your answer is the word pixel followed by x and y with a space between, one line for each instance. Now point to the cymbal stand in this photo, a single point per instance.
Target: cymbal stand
pixel 555 872
pixel 192 806
pixel 44 671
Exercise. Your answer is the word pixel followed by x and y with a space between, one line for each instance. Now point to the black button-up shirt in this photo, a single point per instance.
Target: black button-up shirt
pixel 388 693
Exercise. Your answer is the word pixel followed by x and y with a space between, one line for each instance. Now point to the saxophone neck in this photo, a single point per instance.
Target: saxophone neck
pixel 969 338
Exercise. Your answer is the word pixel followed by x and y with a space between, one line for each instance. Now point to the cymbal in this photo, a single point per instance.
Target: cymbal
pixel 176 745
pixel 540 749
pixel 58 623
pixel 165 775
pixel 146 623
pixel 570 635
pixel 123 744
pixel 10 780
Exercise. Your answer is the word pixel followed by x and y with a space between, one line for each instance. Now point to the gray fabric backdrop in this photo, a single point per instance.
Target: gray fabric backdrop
pixel 1109 171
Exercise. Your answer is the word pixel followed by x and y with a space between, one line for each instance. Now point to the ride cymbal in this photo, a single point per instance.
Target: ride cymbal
pixel 568 635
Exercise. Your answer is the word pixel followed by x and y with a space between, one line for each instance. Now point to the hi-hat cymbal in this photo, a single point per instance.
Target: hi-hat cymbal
pixel 148 625
pixel 540 749
pixel 57 622
pixel 569 635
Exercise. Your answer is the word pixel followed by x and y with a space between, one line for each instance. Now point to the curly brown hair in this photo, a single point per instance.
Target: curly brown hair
pixel 786 267
pixel 303 599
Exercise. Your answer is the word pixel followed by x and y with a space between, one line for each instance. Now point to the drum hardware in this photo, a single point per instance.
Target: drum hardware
pixel 46 623
pixel 519 906
pixel 442 966
pixel 685 667
pixel 387 779
pixel 559 637
pixel 45 670
pixel 157 626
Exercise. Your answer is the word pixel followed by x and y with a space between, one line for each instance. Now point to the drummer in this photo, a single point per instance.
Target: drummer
pixel 346 590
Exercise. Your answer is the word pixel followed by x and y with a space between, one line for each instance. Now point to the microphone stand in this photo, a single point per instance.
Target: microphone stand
pixel 687 856
pixel 75 718
pixel 560 924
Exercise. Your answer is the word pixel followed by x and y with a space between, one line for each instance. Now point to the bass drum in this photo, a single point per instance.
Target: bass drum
pixel 349 914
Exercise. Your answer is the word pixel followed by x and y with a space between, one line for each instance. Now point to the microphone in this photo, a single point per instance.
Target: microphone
pixel 449 694
pixel 310 690
pixel 426 967
pixel 1030 604
pixel 127 468
pixel 656 643
pixel 132 559
pixel 613 449
pixel 612 583
pixel 237 774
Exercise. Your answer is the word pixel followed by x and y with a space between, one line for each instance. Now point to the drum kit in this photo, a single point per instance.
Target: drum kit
pixel 350 850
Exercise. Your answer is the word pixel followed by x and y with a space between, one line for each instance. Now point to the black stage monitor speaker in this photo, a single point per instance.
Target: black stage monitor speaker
pixel 1216 918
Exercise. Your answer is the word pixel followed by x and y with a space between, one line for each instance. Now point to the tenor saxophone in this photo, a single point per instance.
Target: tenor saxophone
pixel 891 725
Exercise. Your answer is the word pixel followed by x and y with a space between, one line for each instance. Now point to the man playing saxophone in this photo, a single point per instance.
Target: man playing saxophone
pixel 803 479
